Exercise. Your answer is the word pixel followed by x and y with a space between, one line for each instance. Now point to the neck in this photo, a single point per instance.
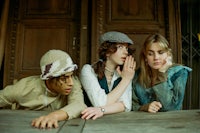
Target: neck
pixel 110 65
pixel 49 87
pixel 109 70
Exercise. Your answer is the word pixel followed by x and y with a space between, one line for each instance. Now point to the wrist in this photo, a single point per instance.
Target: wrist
pixel 102 109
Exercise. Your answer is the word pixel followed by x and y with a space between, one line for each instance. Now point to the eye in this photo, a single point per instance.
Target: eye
pixel 150 53
pixel 119 46
pixel 63 78
pixel 122 46
pixel 161 52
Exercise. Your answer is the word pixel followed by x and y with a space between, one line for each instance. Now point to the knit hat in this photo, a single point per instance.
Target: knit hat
pixel 114 36
pixel 55 63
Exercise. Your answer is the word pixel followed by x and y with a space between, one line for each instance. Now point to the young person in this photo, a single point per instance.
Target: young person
pixel 56 90
pixel 107 83
pixel 159 84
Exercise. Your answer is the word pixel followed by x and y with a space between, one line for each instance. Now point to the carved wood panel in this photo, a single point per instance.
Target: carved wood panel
pixel 136 18
pixel 35 27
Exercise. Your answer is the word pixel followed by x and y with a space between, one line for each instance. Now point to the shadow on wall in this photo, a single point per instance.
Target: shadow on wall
pixel 1 70
pixel 1 77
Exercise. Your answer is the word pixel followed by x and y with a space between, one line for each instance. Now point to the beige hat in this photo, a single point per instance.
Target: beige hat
pixel 55 63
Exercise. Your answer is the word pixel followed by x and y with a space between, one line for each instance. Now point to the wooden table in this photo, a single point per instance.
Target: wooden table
pixel 184 121
pixel 143 122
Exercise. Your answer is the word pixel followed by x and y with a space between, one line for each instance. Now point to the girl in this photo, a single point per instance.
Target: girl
pixel 107 84
pixel 159 84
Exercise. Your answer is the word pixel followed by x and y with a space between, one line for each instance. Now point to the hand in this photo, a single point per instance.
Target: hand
pixel 154 107
pixel 166 65
pixel 50 120
pixel 128 68
pixel 44 122
pixel 92 112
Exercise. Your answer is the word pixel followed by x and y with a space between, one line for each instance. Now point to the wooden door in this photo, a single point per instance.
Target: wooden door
pixel 36 26
pixel 138 19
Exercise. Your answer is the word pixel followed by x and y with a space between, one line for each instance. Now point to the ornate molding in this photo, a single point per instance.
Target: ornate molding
pixel 12 41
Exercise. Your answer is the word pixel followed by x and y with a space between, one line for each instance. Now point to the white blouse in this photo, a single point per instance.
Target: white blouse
pixel 96 94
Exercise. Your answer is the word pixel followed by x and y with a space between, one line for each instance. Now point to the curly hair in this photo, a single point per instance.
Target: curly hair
pixel 104 49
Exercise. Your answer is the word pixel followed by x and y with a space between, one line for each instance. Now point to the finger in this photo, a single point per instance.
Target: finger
pixel 43 124
pixel 36 122
pixel 134 64
pixel 158 104
pixel 53 124
pixel 154 109
pixel 33 122
pixel 90 116
pixel 95 117
pixel 84 115
pixel 126 63
pixel 49 124
pixel 130 61
pixel 151 110
pixel 84 111
pixel 118 70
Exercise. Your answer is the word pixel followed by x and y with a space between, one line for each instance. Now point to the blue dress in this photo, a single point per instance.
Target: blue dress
pixel 170 91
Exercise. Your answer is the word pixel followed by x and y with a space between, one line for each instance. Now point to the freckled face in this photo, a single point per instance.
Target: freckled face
pixel 156 56
pixel 61 85
pixel 119 57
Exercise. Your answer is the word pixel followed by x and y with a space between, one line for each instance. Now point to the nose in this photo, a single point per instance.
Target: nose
pixel 126 50
pixel 69 81
pixel 156 56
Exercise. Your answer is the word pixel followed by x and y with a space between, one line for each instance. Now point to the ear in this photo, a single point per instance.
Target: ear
pixel 107 55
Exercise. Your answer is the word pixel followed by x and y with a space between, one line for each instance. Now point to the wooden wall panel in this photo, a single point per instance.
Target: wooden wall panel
pixel 132 17
pixel 36 26
pixel 33 41
pixel 48 8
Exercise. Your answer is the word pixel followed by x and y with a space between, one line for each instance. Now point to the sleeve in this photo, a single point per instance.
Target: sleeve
pixel 135 101
pixel 171 92
pixel 126 98
pixel 7 96
pixel 12 93
pixel 75 101
pixel 92 87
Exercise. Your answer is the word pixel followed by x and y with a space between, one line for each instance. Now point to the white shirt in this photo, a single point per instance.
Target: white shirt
pixel 96 94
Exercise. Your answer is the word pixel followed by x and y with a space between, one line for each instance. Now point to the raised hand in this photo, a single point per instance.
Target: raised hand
pixel 166 65
pixel 128 68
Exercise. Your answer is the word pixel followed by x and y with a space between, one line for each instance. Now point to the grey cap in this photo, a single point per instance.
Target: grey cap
pixel 115 36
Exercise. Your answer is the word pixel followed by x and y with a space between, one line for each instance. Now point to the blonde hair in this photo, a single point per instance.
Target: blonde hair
pixel 145 71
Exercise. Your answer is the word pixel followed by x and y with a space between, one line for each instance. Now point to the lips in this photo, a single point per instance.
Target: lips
pixel 156 63
pixel 123 58
pixel 68 90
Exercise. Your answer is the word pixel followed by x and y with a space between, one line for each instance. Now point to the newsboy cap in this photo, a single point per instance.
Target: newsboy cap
pixel 115 36
pixel 55 63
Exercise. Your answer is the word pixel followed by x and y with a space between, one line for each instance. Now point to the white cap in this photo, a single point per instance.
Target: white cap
pixel 55 63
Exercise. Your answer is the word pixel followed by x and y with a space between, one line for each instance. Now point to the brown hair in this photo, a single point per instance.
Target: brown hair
pixel 104 49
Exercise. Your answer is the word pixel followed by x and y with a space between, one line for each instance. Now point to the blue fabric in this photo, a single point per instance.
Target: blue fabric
pixel 104 85
pixel 170 92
